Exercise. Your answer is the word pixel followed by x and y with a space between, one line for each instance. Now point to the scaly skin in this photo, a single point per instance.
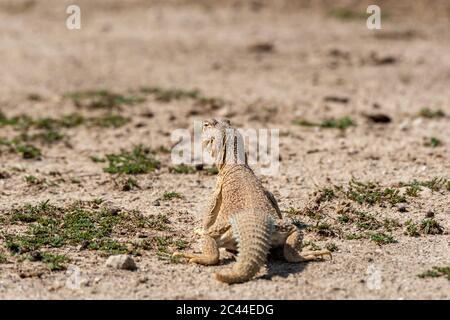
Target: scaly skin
pixel 243 216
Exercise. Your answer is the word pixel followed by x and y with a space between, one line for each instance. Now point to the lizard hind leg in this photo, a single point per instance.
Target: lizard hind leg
pixel 209 256
pixel 293 249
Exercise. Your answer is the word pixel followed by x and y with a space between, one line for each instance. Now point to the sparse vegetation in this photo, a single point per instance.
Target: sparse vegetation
pixel 55 262
pixel 158 222
pixel 168 95
pixel 164 247
pixel 366 221
pixel 332 247
pixel 72 120
pixel 355 236
pixel 26 150
pixel 435 184
pixel 372 193
pixel 433 142
pixel 325 194
pixel 292 211
pixel 430 226
pixel 341 123
pixel 436 272
pixel 213 171
pixel 109 121
pixel 137 161
pixel 32 180
pixel 431 114
pixel 48 130
pixel 323 229
pixel 79 224
pixel 102 99
pixel 86 224
pixel 129 184
pixel 344 218
pixel 311 245
pixel 3 258
pixel 172 195
pixel 382 238
pixel 412 229
pixel 353 222
pixel 182 169
pixel 391 224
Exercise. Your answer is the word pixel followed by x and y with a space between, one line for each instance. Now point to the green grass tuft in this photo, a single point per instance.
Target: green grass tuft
pixel 168 95
pixel 213 171
pixel 382 238
pixel 324 229
pixel 412 229
pixel 3 258
pixel 325 194
pixel 372 193
pixel 158 222
pixel 430 226
pixel 55 262
pixel 109 121
pixel 366 221
pixel 332 247
pixel 28 151
pixel 436 272
pixel 137 161
pixel 172 195
pixel 182 169
pixel 435 184
pixel 341 123
pixel 433 142
pixel 431 114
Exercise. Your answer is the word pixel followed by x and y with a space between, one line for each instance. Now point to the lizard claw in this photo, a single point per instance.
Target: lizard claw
pixel 324 253
pixel 185 255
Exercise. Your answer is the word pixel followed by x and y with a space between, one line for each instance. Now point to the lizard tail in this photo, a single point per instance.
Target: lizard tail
pixel 253 234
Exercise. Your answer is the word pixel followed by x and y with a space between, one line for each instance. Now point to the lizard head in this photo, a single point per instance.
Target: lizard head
pixel 223 142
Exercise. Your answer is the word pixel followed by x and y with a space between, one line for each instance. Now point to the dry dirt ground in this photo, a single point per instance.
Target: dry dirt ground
pixel 375 191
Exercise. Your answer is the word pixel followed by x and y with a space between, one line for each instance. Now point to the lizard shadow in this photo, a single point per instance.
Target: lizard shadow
pixel 282 269
pixel 276 266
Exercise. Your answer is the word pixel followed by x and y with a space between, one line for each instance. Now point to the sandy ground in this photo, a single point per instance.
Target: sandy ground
pixel 271 63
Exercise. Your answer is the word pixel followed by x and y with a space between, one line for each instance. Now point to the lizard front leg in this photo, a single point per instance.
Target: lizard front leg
pixel 212 212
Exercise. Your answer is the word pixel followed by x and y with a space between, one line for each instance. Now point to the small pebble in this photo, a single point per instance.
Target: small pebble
pixel 121 261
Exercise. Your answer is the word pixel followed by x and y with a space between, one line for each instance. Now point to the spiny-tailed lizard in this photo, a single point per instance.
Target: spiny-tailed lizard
pixel 243 216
